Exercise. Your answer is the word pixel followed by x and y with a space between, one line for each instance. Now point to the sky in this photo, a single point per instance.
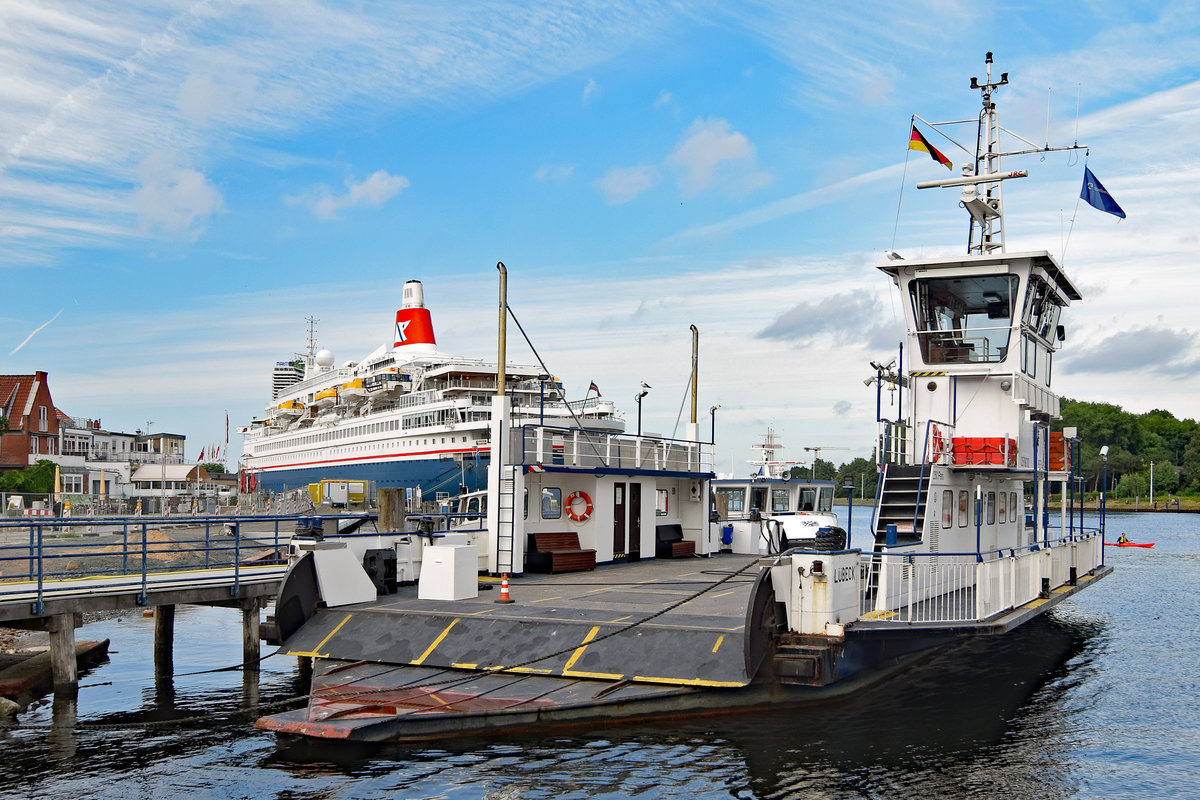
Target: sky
pixel 182 184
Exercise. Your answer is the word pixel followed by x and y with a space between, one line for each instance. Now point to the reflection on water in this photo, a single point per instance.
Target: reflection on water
pixel 1093 701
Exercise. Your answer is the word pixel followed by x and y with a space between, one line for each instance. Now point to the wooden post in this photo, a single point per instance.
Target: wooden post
pixel 164 640
pixel 63 665
pixel 250 634
pixel 391 510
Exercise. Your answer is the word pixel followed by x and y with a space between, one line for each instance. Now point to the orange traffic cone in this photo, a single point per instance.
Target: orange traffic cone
pixel 504 598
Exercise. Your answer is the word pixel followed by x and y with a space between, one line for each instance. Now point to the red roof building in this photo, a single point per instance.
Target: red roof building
pixel 32 431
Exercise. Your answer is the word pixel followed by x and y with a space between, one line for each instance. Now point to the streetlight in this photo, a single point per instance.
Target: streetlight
pixel 713 413
pixel 849 489
pixel 1103 488
pixel 645 390
pixel 542 378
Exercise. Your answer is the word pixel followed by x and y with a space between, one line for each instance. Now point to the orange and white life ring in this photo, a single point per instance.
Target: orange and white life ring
pixel 575 499
pixel 937 440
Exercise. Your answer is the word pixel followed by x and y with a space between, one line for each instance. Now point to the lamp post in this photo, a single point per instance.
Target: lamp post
pixel 542 378
pixel 713 413
pixel 849 488
pixel 645 390
pixel 1103 488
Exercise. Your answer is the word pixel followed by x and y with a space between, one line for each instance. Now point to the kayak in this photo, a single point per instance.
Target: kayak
pixel 1129 544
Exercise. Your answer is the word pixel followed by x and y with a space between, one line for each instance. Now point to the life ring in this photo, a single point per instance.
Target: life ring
pixel 572 499
pixel 937 440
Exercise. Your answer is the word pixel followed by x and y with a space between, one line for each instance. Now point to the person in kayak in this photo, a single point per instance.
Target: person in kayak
pixel 1122 539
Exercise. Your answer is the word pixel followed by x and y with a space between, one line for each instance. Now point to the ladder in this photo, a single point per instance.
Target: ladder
pixel 506 519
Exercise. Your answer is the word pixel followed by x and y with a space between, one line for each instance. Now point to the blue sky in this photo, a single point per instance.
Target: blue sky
pixel 181 184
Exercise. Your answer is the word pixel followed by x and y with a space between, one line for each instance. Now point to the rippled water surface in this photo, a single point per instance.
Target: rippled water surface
pixel 1098 699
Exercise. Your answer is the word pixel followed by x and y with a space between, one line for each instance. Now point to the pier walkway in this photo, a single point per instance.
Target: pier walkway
pixel 55 570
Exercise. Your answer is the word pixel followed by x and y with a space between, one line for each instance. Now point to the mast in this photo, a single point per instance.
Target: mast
pixel 981 183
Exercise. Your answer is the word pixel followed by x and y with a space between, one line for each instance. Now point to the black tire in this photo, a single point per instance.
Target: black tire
pixel 830 540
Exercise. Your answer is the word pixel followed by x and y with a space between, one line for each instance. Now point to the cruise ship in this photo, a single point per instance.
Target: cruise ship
pixel 407 415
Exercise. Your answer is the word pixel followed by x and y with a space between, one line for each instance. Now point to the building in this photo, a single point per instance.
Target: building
pixel 28 421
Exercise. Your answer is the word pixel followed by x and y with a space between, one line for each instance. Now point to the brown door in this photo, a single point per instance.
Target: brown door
pixel 635 521
pixel 618 521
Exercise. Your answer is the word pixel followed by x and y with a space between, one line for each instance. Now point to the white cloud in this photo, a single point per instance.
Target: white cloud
pixel 589 89
pixel 173 197
pixel 622 184
pixel 207 97
pixel 664 99
pixel 554 172
pixel 374 191
pixel 713 152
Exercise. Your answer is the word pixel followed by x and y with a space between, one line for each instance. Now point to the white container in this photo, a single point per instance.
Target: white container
pixel 449 572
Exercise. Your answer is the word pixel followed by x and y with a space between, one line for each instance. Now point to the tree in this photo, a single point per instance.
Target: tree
pixel 213 468
pixel 38 479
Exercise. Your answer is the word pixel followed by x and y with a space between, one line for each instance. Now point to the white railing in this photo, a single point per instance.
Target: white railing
pixel 939 588
pixel 589 449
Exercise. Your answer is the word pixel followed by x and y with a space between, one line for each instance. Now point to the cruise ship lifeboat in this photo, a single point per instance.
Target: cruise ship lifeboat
pixel 291 408
pixel 326 397
pixel 353 390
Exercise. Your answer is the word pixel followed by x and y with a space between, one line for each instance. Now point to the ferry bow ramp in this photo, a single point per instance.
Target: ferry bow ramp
pixel 572 648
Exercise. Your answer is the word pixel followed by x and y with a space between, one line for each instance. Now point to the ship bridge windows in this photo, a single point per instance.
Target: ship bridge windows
pixel 965 319
pixel 1042 309
pixel 733 500
pixel 780 501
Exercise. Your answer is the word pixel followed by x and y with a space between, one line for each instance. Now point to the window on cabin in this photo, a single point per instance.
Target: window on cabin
pixel 991 508
pixel 735 499
pixel 947 508
pixel 551 503
pixel 966 319
pixel 1003 507
pixel 808 499
pixel 964 504
pixel 825 499
pixel 660 502
pixel 780 501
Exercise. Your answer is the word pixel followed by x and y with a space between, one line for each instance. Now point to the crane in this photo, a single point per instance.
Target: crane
pixel 816 451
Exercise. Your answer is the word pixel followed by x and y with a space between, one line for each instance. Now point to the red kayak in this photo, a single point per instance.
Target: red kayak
pixel 1129 544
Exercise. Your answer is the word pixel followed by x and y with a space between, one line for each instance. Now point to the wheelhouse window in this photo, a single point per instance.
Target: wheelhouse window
pixel 965 319
pixel 825 500
pixel 780 501
pixel 735 499
pixel 808 499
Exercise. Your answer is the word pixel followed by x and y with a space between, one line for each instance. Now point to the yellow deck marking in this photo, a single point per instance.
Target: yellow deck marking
pixel 604 676
pixel 436 642
pixel 724 594
pixel 880 615
pixel 546 599
pixel 718 644
pixel 579 650
pixel 479 613
pixel 601 589
pixel 532 671
pixel 622 619
pixel 688 681
pixel 316 650
pixel 464 666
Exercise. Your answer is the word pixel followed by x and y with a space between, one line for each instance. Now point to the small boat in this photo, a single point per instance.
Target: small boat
pixel 353 390
pixel 1130 544
pixel 290 408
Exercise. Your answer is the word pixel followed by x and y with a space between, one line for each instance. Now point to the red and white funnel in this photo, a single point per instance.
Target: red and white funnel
pixel 414 326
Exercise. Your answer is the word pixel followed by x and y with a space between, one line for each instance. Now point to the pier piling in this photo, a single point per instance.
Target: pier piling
pixel 62 652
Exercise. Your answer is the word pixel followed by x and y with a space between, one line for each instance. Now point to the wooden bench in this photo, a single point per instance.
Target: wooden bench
pixel 557 552
pixel 669 542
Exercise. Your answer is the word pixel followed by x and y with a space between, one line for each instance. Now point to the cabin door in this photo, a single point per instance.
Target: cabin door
pixel 619 504
pixel 627 521
pixel 635 521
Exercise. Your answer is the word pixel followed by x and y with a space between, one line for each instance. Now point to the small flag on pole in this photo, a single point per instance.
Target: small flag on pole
pixel 918 142
pixel 1097 196
pixel 201 458
pixel 594 388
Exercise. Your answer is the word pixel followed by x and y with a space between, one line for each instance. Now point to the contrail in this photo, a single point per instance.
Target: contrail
pixel 35 333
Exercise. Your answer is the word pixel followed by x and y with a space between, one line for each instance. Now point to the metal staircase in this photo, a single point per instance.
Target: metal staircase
pixel 902 501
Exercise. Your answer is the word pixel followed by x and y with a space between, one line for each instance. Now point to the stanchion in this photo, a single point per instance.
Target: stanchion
pixel 66 515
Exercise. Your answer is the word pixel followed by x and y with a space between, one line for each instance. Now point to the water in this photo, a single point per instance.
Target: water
pixel 1096 700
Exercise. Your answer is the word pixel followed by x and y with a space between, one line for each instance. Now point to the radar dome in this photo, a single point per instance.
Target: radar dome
pixel 324 359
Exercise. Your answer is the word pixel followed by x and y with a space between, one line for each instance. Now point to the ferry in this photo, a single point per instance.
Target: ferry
pixel 644 614
pixel 771 509
pixel 407 415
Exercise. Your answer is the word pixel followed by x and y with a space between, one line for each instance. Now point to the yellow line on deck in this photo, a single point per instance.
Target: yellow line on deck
pixel 688 681
pixel 579 650
pixel 436 642
pixel 718 644
pixel 546 599
pixel 464 666
pixel 315 651
pixel 724 594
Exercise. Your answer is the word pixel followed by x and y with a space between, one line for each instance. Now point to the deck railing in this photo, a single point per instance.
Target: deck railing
pixel 589 449
pixel 909 588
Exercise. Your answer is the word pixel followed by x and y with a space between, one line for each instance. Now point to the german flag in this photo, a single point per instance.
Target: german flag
pixel 918 142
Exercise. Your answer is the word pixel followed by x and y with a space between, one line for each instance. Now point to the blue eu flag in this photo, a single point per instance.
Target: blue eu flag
pixel 1097 196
